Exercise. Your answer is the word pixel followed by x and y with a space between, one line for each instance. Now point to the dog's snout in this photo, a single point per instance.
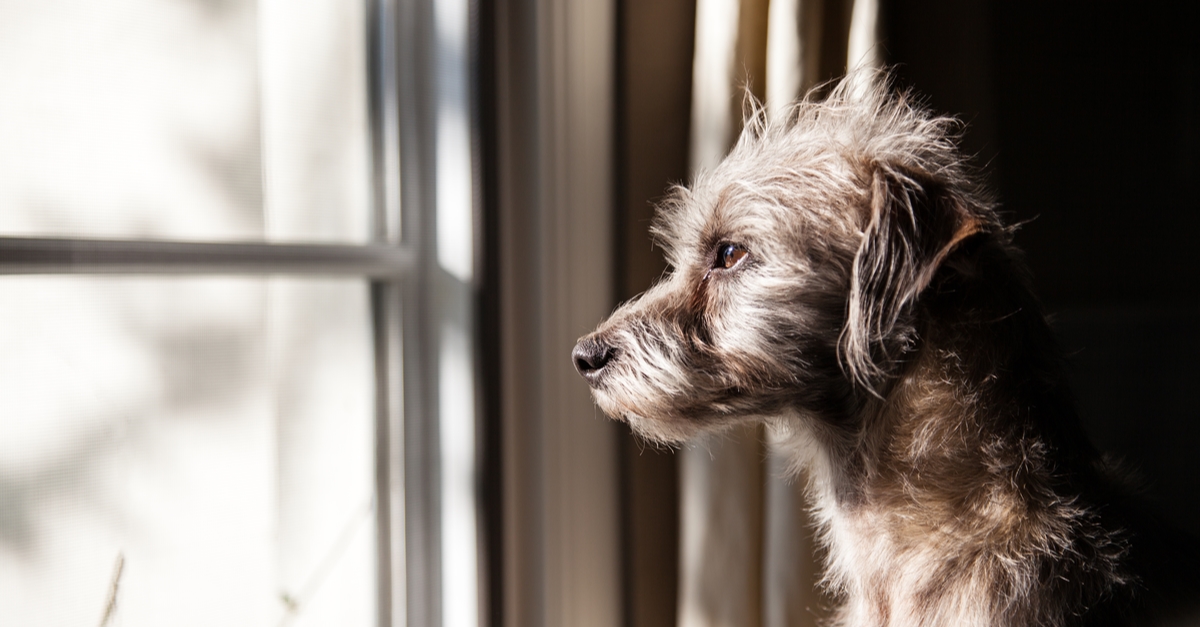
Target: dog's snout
pixel 591 356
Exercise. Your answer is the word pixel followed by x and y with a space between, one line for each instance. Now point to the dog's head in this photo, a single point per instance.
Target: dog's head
pixel 794 267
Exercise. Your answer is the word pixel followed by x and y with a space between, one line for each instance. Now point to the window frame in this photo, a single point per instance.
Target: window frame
pixel 402 305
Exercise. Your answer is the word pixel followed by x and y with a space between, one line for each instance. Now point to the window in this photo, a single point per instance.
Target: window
pixel 236 346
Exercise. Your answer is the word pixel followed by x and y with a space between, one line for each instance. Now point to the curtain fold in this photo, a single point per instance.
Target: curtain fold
pixel 721 491
pixel 746 557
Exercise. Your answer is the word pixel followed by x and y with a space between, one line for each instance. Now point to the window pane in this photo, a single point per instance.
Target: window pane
pixel 214 433
pixel 184 119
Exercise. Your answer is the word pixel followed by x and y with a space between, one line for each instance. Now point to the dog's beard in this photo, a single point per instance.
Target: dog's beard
pixel 672 406
pixel 657 414
pixel 674 429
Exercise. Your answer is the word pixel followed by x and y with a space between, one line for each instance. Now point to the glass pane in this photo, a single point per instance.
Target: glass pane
pixel 213 436
pixel 184 119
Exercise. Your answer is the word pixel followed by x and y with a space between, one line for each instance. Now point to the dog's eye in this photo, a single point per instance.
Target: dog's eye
pixel 728 256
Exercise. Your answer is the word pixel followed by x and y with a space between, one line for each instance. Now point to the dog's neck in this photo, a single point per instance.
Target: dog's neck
pixel 941 505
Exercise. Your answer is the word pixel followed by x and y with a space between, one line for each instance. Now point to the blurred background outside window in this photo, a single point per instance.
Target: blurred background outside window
pixel 203 287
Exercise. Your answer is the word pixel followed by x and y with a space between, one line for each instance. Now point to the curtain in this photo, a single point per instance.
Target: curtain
pixel 746 557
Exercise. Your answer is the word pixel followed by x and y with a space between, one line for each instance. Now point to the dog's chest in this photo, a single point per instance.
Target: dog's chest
pixel 889 581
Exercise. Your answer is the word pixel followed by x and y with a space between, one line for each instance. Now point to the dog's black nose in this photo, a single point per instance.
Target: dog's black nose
pixel 591 356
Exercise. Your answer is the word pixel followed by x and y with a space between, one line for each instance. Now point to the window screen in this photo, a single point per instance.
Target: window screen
pixel 184 119
pixel 200 391
pixel 211 437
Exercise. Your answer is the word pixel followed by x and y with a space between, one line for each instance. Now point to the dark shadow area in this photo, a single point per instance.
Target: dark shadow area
pixel 1134 372
pixel 1087 118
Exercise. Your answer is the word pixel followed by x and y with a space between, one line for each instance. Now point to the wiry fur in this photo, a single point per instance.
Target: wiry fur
pixel 882 323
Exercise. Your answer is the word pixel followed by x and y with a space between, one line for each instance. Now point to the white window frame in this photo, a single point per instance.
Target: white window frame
pixel 404 297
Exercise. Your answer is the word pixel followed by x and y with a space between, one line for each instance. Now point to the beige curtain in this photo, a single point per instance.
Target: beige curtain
pixel 746 557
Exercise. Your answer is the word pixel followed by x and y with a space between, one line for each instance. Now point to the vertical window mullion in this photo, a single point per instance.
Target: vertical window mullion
pixel 387 299
pixel 416 98
pixel 389 452
pixel 383 83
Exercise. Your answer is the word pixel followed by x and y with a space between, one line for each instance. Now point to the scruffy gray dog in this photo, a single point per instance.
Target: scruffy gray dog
pixel 841 278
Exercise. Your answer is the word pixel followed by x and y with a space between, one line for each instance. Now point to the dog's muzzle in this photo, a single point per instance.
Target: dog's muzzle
pixel 591 357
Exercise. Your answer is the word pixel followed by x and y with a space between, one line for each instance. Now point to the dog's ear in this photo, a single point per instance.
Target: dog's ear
pixel 912 223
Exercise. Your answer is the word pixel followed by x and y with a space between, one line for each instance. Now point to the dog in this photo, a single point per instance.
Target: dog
pixel 842 278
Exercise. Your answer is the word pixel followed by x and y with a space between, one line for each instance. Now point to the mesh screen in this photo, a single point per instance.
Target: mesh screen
pixel 184 119
pixel 211 438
